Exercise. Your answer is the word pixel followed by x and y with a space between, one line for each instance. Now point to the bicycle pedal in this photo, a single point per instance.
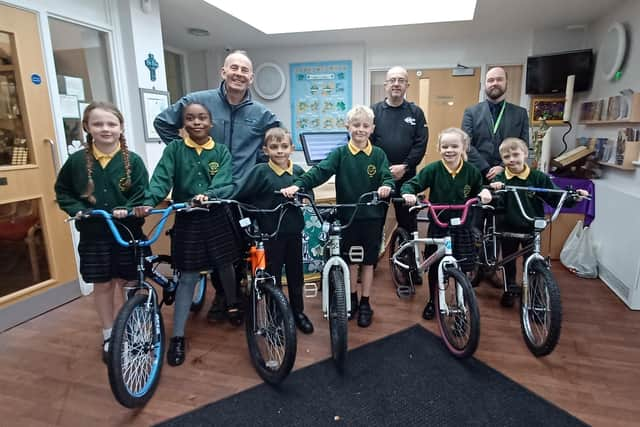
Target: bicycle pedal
pixel 405 291
pixel 356 254
pixel 310 290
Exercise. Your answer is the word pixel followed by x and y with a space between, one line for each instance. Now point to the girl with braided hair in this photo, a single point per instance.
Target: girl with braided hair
pixel 104 175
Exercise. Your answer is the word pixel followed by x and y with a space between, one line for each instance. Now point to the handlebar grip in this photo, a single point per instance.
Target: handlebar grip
pixel 397 200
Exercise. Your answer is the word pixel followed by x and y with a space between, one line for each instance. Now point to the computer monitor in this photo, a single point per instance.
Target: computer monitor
pixel 318 145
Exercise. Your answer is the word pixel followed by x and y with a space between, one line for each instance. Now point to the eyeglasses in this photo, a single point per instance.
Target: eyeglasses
pixel 396 80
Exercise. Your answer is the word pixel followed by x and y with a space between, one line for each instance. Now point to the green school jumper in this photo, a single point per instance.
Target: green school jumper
pixel 259 190
pixel 109 191
pixel 190 174
pixel 355 174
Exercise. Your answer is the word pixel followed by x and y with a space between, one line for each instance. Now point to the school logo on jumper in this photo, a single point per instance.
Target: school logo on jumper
pixel 371 170
pixel 410 121
pixel 213 168
pixel 122 184
pixel 467 191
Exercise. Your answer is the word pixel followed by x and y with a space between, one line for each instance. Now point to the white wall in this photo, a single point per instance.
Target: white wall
pixel 283 57
pixel 616 229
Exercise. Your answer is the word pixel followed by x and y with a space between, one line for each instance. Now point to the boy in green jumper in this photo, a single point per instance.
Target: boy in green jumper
pixel 359 168
pixel 452 181
pixel 286 248
pixel 196 168
pixel 513 152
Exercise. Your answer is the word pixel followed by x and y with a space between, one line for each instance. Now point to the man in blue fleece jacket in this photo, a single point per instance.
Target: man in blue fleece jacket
pixel 238 121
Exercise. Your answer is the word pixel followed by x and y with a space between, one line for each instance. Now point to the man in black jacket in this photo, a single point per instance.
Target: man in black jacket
pixel 401 131
pixel 490 122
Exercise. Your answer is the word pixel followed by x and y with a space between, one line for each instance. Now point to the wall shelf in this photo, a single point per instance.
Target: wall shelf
pixel 623 123
pixel 621 167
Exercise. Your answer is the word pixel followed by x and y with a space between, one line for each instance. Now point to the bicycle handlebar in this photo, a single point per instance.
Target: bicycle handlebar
pixel 116 234
pixel 434 209
pixel 375 200
pixel 246 208
pixel 565 194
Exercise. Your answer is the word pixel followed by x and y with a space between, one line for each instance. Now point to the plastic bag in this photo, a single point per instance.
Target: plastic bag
pixel 578 254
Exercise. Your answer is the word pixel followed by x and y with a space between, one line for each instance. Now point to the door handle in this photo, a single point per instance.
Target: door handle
pixel 54 153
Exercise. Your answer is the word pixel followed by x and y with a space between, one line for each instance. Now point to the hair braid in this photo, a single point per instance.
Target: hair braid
pixel 90 161
pixel 125 159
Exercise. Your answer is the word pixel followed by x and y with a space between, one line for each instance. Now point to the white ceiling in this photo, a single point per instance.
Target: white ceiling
pixel 492 16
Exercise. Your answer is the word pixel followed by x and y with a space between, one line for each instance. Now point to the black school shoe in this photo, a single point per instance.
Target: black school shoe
pixel 429 311
pixel 217 311
pixel 354 305
pixel 176 353
pixel 365 314
pixel 303 323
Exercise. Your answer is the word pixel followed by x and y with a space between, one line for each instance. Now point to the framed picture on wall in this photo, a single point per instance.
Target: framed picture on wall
pixel 550 109
pixel 153 103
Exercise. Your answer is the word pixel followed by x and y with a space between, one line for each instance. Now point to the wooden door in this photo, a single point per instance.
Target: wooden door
pixel 443 98
pixel 35 242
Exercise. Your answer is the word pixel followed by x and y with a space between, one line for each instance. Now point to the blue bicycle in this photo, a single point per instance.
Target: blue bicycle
pixel 136 352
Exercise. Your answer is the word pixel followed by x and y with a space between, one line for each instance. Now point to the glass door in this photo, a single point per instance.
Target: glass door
pixel 35 243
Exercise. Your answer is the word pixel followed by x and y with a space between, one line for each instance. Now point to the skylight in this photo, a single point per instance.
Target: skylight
pixel 290 16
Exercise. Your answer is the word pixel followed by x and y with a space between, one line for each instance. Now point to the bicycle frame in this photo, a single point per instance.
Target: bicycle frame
pixel 152 296
pixel 332 229
pixel 539 224
pixel 444 251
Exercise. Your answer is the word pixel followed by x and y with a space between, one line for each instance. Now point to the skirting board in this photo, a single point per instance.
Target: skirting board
pixel 629 296
pixel 34 306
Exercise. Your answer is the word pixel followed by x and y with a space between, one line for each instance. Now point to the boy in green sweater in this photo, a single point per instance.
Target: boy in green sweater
pixel 359 168
pixel 513 152
pixel 286 248
pixel 451 181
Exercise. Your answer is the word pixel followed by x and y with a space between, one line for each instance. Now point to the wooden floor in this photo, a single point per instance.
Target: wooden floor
pixel 51 372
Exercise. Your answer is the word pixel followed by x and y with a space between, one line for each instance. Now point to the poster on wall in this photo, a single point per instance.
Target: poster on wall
pixel 320 97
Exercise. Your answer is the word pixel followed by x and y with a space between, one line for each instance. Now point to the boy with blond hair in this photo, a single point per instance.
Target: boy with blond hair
pixel 359 168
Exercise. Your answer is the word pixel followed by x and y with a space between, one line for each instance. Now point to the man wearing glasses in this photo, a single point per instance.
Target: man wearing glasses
pixel 402 133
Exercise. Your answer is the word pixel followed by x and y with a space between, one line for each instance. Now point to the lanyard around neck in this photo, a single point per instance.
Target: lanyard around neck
pixel 496 125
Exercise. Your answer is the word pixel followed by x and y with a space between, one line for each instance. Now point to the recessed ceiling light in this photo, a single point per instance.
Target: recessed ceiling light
pixel 267 16
pixel 198 32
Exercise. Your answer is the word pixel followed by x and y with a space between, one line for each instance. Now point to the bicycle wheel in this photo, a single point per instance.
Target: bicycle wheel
pixel 199 293
pixel 400 275
pixel 136 352
pixel 541 315
pixel 271 333
pixel 338 317
pixel 460 323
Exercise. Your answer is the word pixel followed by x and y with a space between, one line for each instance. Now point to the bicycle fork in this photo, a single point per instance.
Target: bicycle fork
pixel 335 260
pixel 447 261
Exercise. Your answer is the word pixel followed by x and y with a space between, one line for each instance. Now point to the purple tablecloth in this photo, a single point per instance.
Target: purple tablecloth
pixel 586 207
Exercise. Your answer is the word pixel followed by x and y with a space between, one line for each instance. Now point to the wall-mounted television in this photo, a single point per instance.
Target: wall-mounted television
pixel 548 73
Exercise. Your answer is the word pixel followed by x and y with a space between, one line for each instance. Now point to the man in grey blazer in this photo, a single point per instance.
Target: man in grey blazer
pixel 489 122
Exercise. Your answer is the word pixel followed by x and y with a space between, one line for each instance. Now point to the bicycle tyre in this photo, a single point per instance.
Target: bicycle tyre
pixel 399 275
pixel 272 342
pixel 338 317
pixel 460 328
pixel 136 352
pixel 541 333
pixel 199 293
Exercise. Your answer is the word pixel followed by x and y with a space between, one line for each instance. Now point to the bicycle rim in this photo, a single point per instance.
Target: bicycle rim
pixel 271 334
pixel 541 314
pixel 136 354
pixel 460 322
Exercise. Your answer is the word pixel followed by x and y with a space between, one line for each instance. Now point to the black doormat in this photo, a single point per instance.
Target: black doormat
pixel 406 379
